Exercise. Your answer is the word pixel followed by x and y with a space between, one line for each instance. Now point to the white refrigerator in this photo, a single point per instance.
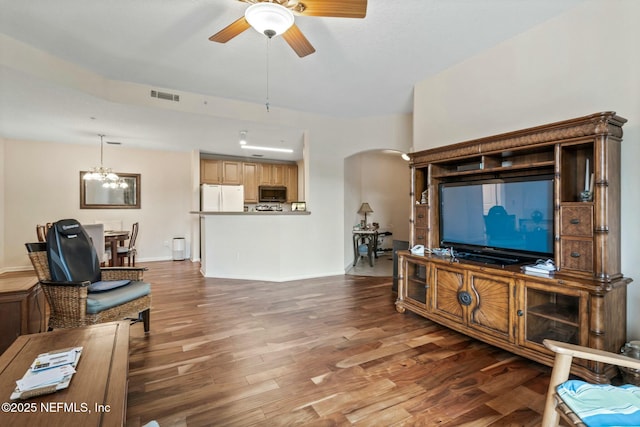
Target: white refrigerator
pixel 222 198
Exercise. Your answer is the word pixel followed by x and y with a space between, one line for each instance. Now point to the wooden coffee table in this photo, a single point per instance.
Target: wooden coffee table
pixel 97 394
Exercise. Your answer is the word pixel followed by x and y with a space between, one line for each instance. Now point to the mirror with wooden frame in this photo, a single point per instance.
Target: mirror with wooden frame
pixel 93 195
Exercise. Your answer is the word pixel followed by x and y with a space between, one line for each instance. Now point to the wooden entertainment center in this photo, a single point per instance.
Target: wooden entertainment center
pixel 584 302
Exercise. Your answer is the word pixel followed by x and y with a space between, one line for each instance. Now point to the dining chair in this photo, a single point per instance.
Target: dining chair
pixel 42 230
pixel 96 233
pixel 129 251
pixel 579 403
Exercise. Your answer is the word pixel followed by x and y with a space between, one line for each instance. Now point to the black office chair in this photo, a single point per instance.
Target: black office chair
pixel 499 224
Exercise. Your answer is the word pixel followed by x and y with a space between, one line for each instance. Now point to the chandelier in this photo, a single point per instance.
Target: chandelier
pixel 104 175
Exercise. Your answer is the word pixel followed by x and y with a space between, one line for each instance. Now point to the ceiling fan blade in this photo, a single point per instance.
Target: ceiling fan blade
pixel 298 41
pixel 230 31
pixel 335 8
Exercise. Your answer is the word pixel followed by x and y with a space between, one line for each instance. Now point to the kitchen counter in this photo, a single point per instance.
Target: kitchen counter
pixel 260 245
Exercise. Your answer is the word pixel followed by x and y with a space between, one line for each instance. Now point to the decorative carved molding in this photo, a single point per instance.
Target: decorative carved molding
pixel 604 123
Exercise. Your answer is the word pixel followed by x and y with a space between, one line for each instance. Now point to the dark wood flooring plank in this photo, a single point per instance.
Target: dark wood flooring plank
pixel 329 351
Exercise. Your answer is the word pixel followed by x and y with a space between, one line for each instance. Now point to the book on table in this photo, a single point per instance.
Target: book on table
pixel 540 268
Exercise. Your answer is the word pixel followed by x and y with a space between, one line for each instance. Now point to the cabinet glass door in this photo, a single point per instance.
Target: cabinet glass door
pixel 416 283
pixel 553 315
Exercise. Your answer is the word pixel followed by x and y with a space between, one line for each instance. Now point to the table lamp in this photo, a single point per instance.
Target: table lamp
pixel 365 209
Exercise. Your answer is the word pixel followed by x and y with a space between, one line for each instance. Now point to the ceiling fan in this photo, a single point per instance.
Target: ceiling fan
pixel 276 17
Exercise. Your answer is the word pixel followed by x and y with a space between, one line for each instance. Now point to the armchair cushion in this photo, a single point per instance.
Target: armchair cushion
pixel 100 301
pixel 602 404
pixel 105 285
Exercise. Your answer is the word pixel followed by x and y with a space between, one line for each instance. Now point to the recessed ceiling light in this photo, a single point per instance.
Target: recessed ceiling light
pixel 256 147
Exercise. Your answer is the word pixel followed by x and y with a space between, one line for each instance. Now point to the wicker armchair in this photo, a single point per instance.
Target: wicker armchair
pixel 68 300
pixel 556 407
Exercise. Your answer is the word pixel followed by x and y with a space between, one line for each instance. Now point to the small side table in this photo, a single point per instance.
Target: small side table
pixel 368 237
pixel 97 395
pixel 22 309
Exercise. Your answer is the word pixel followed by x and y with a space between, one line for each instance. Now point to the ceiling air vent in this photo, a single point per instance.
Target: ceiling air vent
pixel 165 95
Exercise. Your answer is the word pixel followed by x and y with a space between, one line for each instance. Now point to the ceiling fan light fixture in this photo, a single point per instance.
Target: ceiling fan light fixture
pixel 270 19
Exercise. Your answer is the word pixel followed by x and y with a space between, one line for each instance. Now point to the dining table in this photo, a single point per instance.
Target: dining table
pixel 115 238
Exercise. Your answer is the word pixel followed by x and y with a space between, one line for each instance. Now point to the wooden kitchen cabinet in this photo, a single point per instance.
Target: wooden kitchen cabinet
pixel 210 171
pixel 250 181
pixel 291 182
pixel 272 174
pixel 213 171
pixel 231 172
pixel 264 174
pixel 251 175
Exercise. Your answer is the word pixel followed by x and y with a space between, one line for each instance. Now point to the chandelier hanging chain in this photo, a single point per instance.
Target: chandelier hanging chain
pixel 105 175
pixel 101 149
pixel 268 44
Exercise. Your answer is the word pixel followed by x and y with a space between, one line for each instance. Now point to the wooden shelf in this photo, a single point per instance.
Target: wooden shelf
pixel 558 334
pixel 556 312
pixel 545 167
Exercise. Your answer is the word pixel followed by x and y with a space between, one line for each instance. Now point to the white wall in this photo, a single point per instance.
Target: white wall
pixel 584 61
pixel 42 184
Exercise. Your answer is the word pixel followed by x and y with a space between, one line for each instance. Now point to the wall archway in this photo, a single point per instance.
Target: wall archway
pixel 382 179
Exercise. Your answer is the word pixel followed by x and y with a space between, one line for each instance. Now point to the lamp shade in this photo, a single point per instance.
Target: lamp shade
pixel 269 19
pixel 365 209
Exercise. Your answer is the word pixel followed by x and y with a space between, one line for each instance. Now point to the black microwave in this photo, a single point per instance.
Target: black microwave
pixel 272 194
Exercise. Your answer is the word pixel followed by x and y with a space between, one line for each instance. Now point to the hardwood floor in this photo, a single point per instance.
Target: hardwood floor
pixel 319 352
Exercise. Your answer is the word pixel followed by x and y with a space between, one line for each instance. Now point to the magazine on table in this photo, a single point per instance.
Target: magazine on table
pixel 48 373
pixel 543 268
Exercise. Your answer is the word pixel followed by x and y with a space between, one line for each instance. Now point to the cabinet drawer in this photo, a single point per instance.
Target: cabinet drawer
pixel 420 236
pixel 421 216
pixel 576 221
pixel 576 254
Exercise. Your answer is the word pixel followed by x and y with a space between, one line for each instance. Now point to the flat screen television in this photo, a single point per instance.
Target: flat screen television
pixel 504 221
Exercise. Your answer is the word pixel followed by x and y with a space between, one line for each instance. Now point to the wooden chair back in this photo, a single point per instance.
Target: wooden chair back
pixel 555 408
pixel 134 236
pixel 42 230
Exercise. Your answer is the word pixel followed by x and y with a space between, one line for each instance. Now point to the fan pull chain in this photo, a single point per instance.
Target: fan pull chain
pixel 268 44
